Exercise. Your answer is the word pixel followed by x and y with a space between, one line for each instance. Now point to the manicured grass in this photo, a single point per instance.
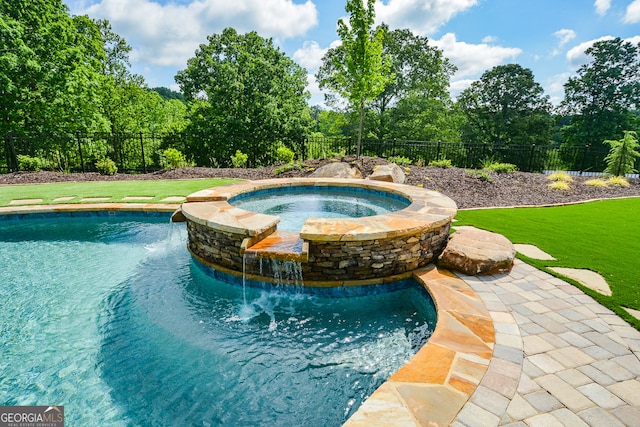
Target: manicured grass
pixel 115 190
pixel 602 236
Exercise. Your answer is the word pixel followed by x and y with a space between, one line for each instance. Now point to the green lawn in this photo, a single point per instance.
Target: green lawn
pixel 115 190
pixel 602 236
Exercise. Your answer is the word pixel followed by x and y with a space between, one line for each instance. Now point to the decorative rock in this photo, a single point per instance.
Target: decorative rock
pixel 336 170
pixel 388 173
pixel 472 251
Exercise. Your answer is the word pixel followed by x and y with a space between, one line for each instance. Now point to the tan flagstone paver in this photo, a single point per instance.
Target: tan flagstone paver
pixel 588 278
pixel 532 251
pixel 25 201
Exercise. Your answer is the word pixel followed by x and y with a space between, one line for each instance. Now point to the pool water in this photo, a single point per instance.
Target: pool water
pixel 111 318
pixel 294 205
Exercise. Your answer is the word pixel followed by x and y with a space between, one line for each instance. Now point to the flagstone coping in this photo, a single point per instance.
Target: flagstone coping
pixel 588 278
pixel 437 382
pixel 209 207
pixel 89 207
pixel 533 252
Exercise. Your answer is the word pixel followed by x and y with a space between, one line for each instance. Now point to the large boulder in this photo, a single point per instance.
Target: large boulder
pixel 336 170
pixel 472 251
pixel 389 173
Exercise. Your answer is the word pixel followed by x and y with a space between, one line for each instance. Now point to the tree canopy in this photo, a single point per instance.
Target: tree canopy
pixel 241 85
pixel 506 106
pixel 604 97
pixel 356 69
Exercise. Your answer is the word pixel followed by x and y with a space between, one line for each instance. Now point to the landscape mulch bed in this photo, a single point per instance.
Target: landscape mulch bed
pixel 505 189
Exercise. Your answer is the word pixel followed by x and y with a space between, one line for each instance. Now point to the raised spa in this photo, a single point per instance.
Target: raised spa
pixel 408 229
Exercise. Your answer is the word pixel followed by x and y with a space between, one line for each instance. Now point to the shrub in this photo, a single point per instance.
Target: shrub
pixel 289 167
pixel 482 175
pixel 402 161
pixel 560 177
pixel 619 181
pixel 31 164
pixel 240 159
pixel 498 167
pixel 106 166
pixel 442 163
pixel 559 185
pixel 174 158
pixel 597 182
pixel 623 154
pixel 285 154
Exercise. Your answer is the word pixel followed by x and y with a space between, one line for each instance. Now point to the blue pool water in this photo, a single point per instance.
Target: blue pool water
pixel 111 318
pixel 294 205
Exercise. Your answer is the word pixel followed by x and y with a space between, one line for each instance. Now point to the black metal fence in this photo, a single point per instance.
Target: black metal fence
pixel 141 153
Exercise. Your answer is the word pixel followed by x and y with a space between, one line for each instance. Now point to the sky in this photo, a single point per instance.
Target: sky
pixel 547 36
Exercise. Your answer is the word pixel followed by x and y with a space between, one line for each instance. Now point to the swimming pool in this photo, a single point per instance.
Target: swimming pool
pixel 110 317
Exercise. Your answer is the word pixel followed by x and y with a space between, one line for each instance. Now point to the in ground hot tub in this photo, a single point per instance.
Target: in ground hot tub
pixel 339 250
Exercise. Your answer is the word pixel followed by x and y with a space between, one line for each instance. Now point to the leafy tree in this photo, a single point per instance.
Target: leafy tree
pixel 604 94
pixel 168 94
pixel 506 106
pixel 416 104
pixel 622 157
pixel 356 70
pixel 241 85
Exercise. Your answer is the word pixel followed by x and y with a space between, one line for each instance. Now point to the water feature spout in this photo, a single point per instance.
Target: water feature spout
pixel 178 216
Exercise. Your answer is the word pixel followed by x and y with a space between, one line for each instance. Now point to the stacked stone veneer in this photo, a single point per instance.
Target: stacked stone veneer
pixel 337 250
pixel 375 258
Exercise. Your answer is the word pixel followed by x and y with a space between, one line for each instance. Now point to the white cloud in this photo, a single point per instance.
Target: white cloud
pixel 317 96
pixel 169 34
pixel 490 39
pixel 602 6
pixel 577 57
pixel 473 59
pixel 310 56
pixel 633 13
pixel 421 16
pixel 565 36
pixel 554 87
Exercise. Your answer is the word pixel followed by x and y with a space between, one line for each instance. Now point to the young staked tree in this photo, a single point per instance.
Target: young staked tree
pixel 622 157
pixel 357 70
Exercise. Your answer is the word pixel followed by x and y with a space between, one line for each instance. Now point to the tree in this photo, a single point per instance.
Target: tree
pixel 506 106
pixel 622 157
pixel 356 70
pixel 245 87
pixel 602 97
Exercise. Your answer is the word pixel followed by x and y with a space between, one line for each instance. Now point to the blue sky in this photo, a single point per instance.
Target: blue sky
pixel 547 36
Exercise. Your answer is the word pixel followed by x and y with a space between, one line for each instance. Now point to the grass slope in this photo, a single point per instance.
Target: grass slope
pixel 115 190
pixel 602 236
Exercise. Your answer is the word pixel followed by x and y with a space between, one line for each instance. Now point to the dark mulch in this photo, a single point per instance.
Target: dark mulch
pixel 510 189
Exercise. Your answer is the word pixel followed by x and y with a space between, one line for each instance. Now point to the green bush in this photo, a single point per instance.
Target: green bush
pixel 498 167
pixel 289 167
pixel 623 154
pixel 442 163
pixel 174 158
pixel 285 155
pixel 240 159
pixel 31 164
pixel 482 175
pixel 106 166
pixel 402 161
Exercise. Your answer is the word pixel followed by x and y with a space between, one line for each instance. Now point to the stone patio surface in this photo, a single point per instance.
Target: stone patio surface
pixel 560 358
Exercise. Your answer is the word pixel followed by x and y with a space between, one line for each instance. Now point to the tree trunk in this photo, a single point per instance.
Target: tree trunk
pixel 358 152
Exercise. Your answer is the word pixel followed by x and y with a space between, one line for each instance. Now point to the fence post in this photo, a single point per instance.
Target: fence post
pixel 533 147
pixel 584 158
pixel 393 150
pixel 144 163
pixel 12 153
pixel 305 141
pixel 438 150
pixel 80 150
